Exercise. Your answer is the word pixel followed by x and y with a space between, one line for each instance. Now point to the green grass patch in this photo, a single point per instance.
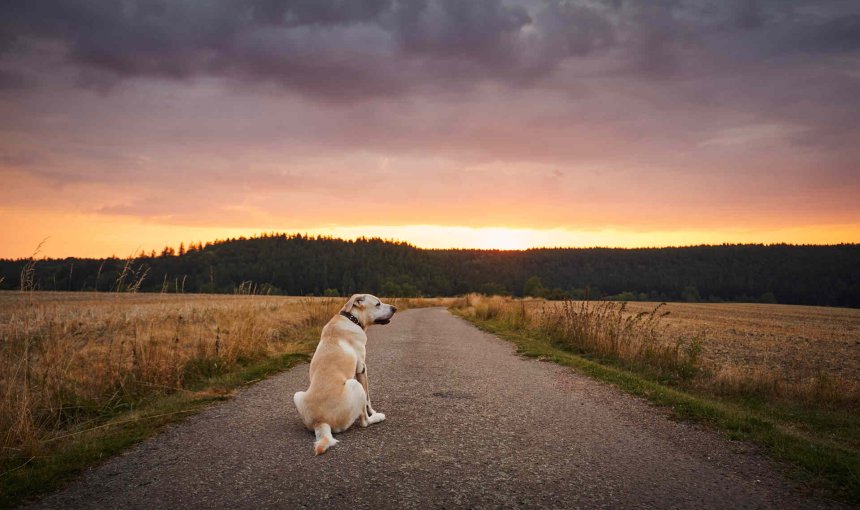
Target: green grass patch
pixel 65 457
pixel 816 457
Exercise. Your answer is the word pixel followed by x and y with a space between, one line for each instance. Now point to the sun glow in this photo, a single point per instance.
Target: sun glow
pixel 99 236
pixel 503 238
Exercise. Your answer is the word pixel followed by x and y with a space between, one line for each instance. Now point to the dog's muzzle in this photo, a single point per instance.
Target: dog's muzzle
pixel 386 321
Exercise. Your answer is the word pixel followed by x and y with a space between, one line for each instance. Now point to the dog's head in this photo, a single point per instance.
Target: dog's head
pixel 369 309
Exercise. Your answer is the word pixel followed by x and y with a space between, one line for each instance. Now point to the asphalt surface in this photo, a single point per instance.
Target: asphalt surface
pixel 469 424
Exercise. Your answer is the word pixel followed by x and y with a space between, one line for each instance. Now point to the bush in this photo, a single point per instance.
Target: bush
pixel 690 294
pixel 534 287
pixel 768 297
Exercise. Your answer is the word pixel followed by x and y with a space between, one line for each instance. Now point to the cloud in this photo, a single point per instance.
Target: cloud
pixel 834 36
pixel 317 12
pixel 348 50
pixel 483 30
pixel 11 81
pixel 519 112
pixel 329 48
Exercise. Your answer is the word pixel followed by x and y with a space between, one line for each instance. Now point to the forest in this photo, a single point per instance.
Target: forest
pixel 302 265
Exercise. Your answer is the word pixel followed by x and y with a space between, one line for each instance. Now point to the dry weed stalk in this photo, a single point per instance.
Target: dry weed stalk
pixel 98 275
pixel 28 272
pixel 138 279
pixel 126 270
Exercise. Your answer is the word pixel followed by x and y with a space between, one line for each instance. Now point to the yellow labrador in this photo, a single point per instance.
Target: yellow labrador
pixel 338 394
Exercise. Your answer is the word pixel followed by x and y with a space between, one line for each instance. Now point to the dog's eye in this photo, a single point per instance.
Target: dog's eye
pixel 378 304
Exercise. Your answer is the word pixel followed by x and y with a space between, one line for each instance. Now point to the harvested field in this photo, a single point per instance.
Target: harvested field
pixel 799 354
pixel 796 341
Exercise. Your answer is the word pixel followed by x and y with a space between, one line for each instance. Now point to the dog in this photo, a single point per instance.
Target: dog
pixel 338 394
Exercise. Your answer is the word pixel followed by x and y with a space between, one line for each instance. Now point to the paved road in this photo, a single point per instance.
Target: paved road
pixel 469 424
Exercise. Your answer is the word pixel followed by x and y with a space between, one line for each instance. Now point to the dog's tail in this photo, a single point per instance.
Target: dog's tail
pixel 324 438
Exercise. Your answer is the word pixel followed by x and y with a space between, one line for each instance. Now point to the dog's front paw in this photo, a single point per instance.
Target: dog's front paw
pixel 376 418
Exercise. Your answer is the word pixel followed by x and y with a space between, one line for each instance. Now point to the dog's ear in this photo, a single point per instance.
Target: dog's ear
pixel 355 300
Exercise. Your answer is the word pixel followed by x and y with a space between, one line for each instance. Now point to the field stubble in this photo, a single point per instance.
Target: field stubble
pixel 797 352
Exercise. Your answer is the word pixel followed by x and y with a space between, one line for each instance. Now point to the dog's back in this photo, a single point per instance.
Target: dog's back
pixel 335 399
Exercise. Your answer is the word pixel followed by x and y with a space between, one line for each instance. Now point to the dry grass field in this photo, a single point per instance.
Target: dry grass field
pixel 812 353
pixel 69 359
pixel 793 344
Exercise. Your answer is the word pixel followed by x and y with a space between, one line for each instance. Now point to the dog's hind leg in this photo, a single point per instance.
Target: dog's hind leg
pixel 355 398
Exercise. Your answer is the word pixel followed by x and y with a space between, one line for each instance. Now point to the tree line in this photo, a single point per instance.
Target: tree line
pixel 302 265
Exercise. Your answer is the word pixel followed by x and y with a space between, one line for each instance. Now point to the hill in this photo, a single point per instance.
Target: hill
pixel 300 265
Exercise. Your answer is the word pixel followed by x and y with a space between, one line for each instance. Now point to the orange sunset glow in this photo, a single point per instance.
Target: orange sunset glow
pixel 94 236
pixel 505 125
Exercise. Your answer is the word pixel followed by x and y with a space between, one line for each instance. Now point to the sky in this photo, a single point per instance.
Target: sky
pixel 131 125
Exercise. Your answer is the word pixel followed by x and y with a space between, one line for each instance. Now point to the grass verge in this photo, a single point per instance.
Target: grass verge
pixel 828 467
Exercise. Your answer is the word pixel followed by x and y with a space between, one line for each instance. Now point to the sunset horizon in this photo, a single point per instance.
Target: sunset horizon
pixel 484 124
pixel 434 237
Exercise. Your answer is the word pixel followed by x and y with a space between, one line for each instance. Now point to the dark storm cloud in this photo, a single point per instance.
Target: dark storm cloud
pixel 482 30
pixel 841 35
pixel 314 12
pixel 348 49
pixel 11 81
pixel 326 47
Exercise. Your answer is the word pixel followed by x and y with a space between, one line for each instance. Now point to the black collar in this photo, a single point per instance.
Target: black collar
pixel 351 317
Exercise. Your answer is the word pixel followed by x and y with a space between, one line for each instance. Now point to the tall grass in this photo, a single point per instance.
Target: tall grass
pixel 67 364
pixel 602 329
pixel 816 390
pixel 606 330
